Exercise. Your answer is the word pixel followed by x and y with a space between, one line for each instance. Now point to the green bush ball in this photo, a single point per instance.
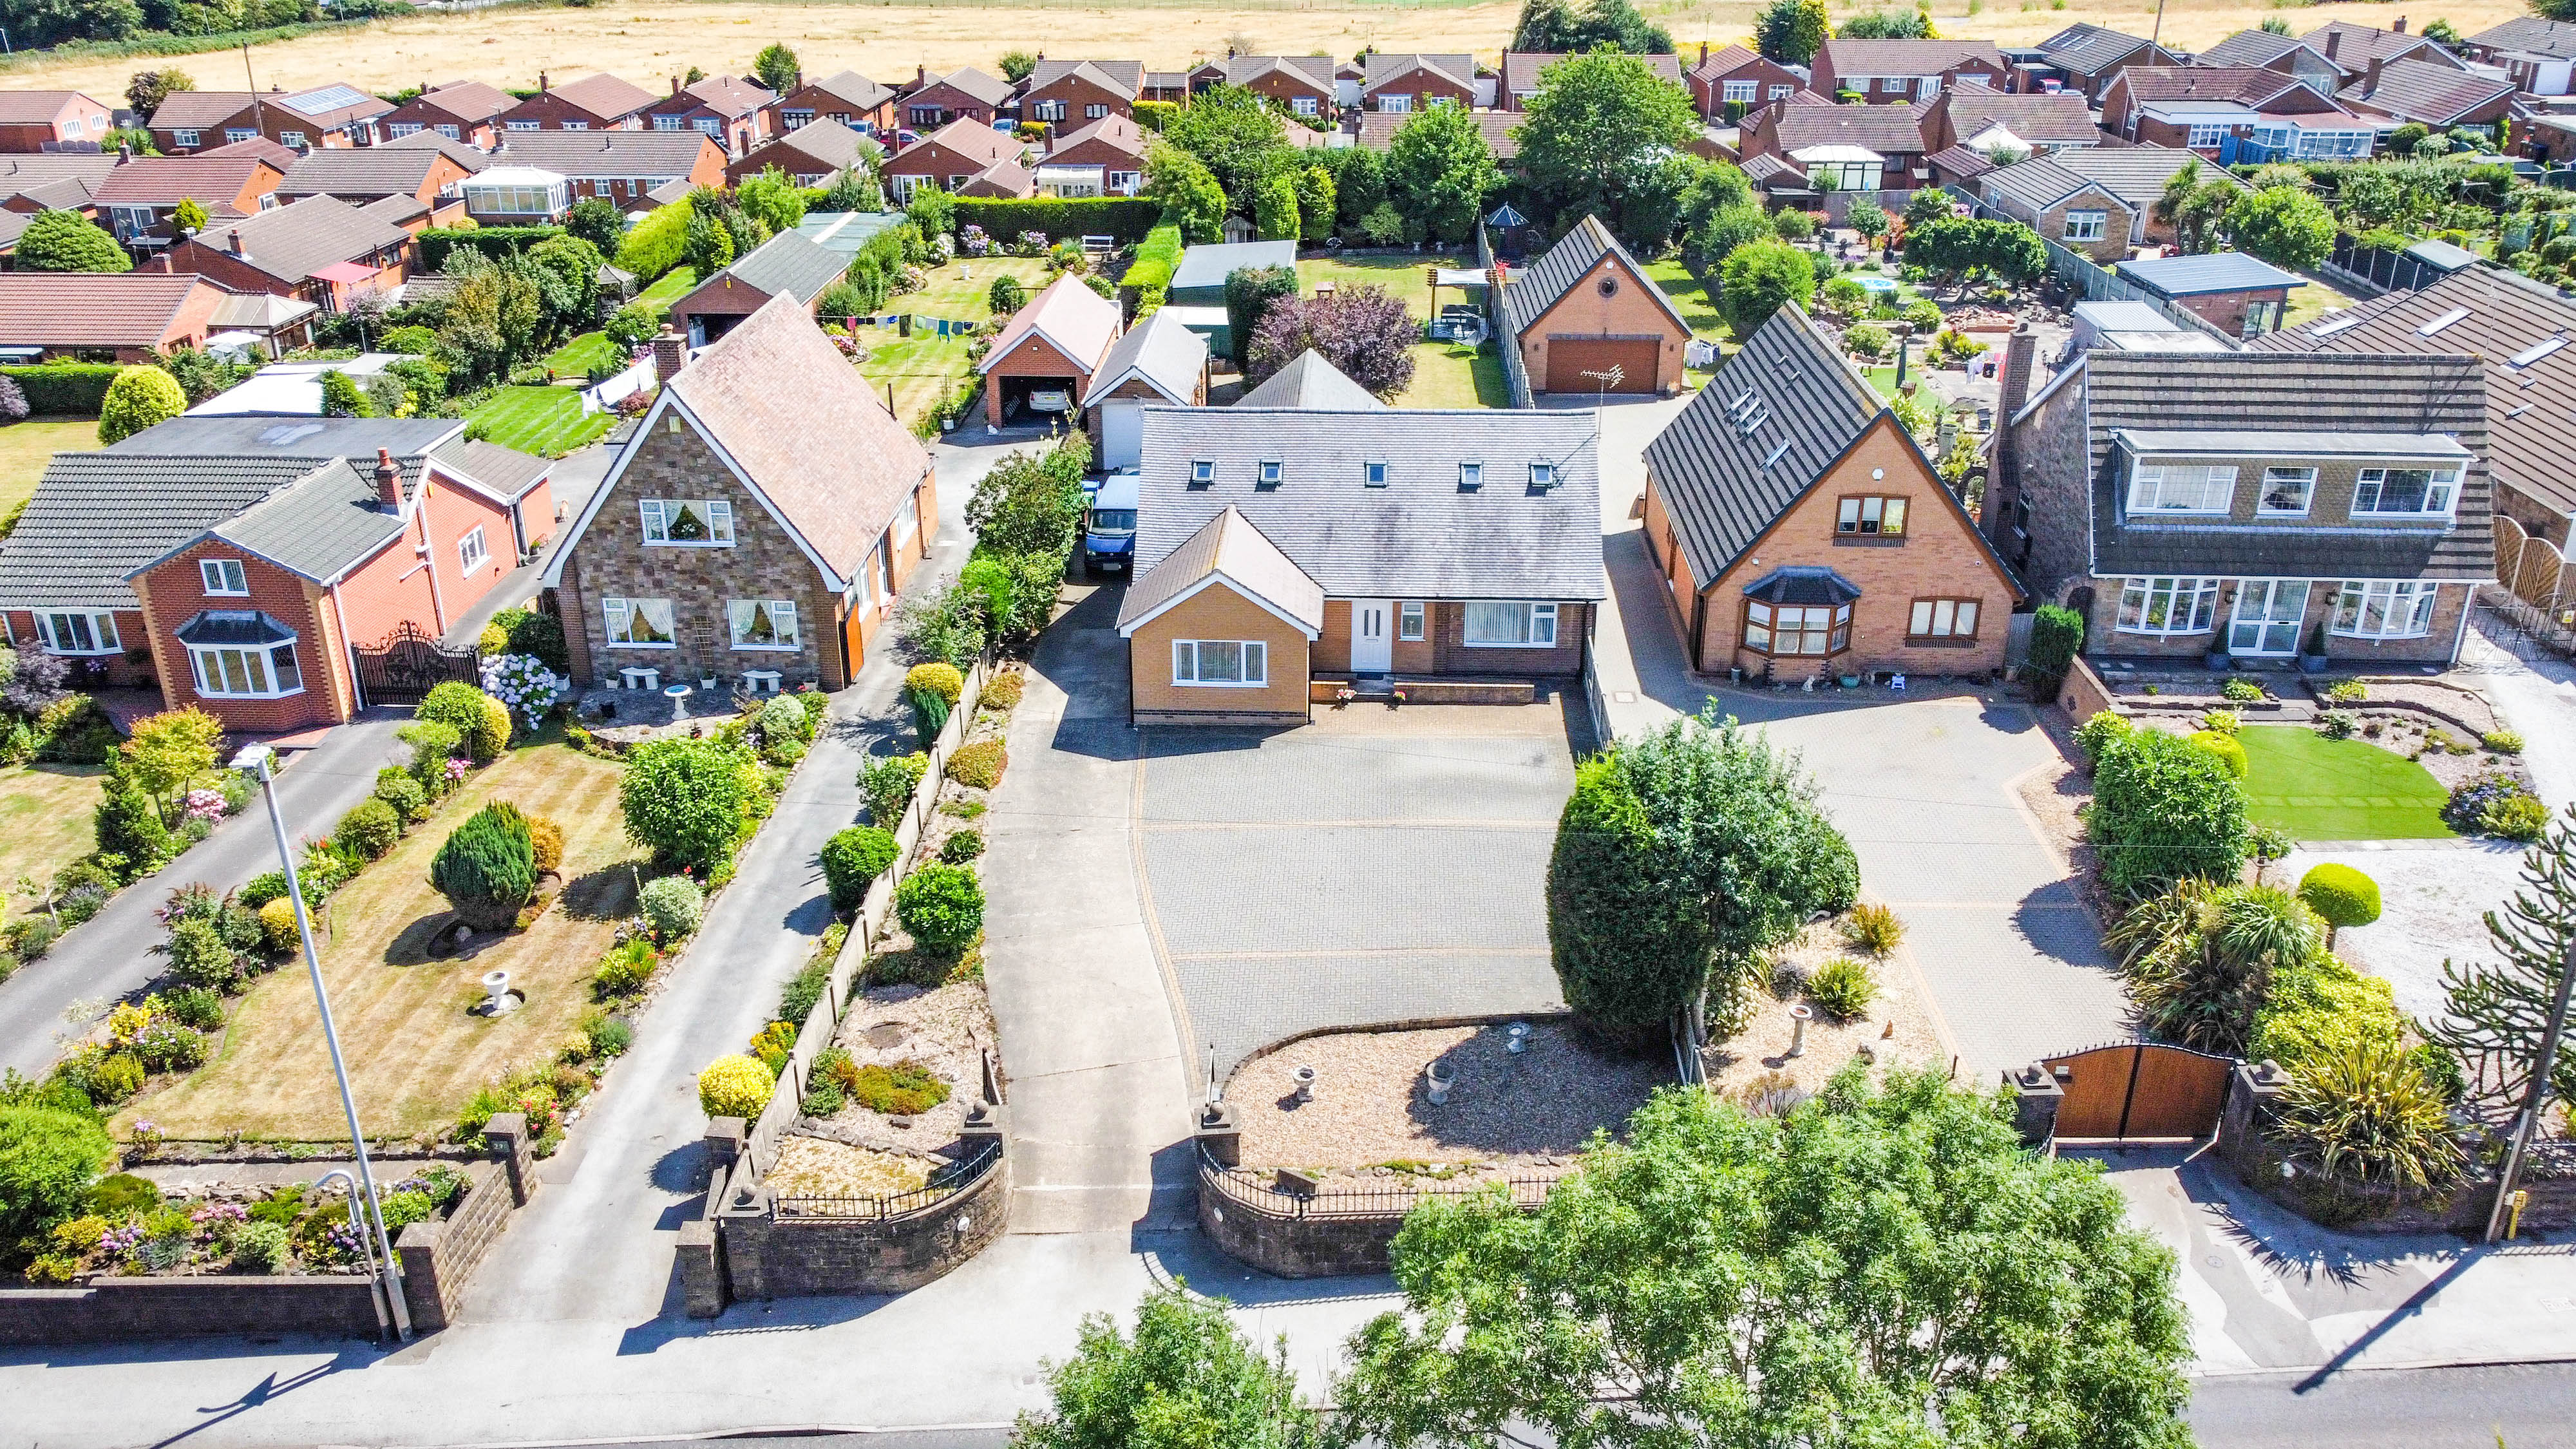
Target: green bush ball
pixel 370 828
pixel 2225 746
pixel 852 860
pixel 2341 895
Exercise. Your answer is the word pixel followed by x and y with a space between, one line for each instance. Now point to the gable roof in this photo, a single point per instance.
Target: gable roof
pixel 1076 321
pixel 1521 67
pixel 789 264
pixel 468 100
pixel 1118 77
pixel 19 174
pixel 606 153
pixel 1311 381
pixel 1419 535
pixel 1313 70
pixel 970 138
pixel 92 309
pixel 294 241
pixel 2531 35
pixel 2248 85
pixel 1110 130
pixel 313 440
pixel 2038 184
pixel 2137 174
pixel 1718 63
pixel 470 158
pixel 1906 57
pixel 726 95
pixel 336 104
pixel 1805 119
pixel 369 171
pixel 854 89
pixel 822 138
pixel 1528 296
pixel 605 95
pixel 318 526
pixel 199 110
pixel 991 90
pixel 2088 50
pixel 1499 128
pixel 1160 350
pixel 2060 119
pixel 166 180
pixel 2420 90
pixel 2356 46
pixel 2503 318
pixel 2251 47
pixel 1384 69
pixel 96 516
pixel 258 148
pixel 38 108
pixel 1226 550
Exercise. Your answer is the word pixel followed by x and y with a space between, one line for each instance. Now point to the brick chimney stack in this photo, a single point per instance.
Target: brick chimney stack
pixel 1703 52
pixel 2399 28
pixel 670 352
pixel 388 482
pixel 2370 78
pixel 2334 38
pixel 542 85
pixel 232 241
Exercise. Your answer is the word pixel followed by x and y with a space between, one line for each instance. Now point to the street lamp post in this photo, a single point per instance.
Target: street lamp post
pixel 259 762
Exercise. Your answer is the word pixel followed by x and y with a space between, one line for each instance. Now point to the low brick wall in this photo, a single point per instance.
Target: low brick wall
pixel 769 1255
pixel 126 1309
pixel 1425 691
pixel 2083 694
pixel 438 1259
pixel 1307 1247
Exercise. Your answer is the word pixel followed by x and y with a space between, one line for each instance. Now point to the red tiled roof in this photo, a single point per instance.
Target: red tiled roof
pixel 163 180
pixel 85 309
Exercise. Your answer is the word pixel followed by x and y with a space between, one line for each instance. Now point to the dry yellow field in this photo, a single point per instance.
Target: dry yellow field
pixel 650 41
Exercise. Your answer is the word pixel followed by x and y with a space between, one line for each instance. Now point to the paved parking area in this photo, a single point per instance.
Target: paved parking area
pixel 1376 866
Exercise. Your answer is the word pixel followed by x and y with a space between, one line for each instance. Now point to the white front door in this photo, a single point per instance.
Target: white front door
pixel 1372 636
pixel 2267 616
pixel 1122 434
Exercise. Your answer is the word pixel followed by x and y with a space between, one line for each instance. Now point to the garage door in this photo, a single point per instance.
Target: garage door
pixel 1569 358
pixel 1122 434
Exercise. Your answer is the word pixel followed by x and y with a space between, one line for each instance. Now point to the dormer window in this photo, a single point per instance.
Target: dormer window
pixel 2286 491
pixel 1269 472
pixel 1471 476
pixel 1542 475
pixel 1202 472
pixel 2405 492
pixel 2165 488
pixel 1374 474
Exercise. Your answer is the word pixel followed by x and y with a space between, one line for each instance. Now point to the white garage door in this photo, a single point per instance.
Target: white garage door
pixel 1122 434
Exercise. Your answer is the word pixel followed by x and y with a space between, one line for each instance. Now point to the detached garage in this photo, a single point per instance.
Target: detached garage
pixel 1159 363
pixel 1587 319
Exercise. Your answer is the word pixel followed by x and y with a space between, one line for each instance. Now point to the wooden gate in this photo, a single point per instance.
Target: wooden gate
pixel 2140 1090
pixel 405 665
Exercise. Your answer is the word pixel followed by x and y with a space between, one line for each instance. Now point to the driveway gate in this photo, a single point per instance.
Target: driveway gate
pixel 2138 1090
pixel 405 665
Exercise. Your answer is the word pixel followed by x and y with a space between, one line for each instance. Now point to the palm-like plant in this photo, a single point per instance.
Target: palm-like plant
pixel 2365 1114
pixel 2199 958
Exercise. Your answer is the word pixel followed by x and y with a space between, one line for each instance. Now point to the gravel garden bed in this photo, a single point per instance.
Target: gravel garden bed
pixel 1895 1029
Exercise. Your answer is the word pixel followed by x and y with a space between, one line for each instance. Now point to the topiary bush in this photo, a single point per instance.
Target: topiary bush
pixel 940 679
pixel 2099 733
pixel 370 829
pixel 277 926
pixel 1843 988
pixel 487 868
pixel 2165 809
pixel 546 841
pixel 942 906
pixel 735 1086
pixel 979 765
pixel 482 723
pixel 2225 746
pixel 672 906
pixel 2056 637
pixel 2341 895
pixel 852 860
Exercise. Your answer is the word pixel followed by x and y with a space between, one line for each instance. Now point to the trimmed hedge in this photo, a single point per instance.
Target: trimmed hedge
pixel 1157 257
pixel 1126 218
pixel 73 389
pixel 491 241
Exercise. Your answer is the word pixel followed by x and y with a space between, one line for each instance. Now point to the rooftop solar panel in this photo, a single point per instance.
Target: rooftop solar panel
pixel 328 98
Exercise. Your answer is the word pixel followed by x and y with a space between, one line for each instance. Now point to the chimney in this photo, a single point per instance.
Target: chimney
pixel 232 241
pixel 165 265
pixel 670 350
pixel 124 153
pixel 1703 52
pixel 2019 351
pixel 920 76
pixel 542 85
pixel 675 85
pixel 2334 38
pixel 2370 78
pixel 2399 28
pixel 388 482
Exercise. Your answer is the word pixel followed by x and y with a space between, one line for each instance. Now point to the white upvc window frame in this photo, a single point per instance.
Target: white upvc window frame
pixel 185 136
pixel 2378 610
pixel 400 129
pixel 657 517
pixel 618 614
pixel 59 631
pixel 1190 660
pixel 2305 478
pixel 1202 472
pixel 2085 226
pixel 2205 135
pixel 472 553
pixel 1536 631
pixel 2439 483
pixel 2152 480
pixel 224 578
pixel 1302 105
pixel 907 519
pixel 1740 92
pixel 246 671
pixel 1394 103
pixel 2199 593
pixel 786 630
pixel 1411 620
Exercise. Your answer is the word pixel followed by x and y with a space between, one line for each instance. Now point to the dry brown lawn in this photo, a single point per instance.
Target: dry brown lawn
pixel 648 42
pixel 415 1054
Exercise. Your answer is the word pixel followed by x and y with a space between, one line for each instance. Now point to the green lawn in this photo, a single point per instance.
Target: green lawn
pixel 2313 301
pixel 577 357
pixel 2321 789
pixel 674 285
pixel 26 447
pixel 1408 277
pixel 546 421
pixel 1696 306
pixel 45 823
pixel 1449 376
pixel 925 370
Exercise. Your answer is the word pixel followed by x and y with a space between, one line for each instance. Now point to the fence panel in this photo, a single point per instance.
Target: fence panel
pixel 1514 374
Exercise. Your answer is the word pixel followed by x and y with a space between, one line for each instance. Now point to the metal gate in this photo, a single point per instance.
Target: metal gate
pixel 405 665
pixel 2140 1090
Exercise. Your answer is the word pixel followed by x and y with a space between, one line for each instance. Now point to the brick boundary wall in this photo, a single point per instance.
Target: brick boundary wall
pixel 2083 694
pixel 767 1255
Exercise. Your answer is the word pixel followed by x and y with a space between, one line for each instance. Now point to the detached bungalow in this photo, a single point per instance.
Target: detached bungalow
pixel 2086 58
pixel 790 265
pixel 592 103
pixel 950 158
pixel 2536 54
pixel 1304 84
pixel 134 316
pixel 1400 84
pixel 1049 351
pixel 320 249
pixel 935 101
pixel 430 172
pixel 844 96
pixel 1885 72
pixel 2430 94
pixel 32 120
pixel 811 157
pixel 623 166
pixel 2199 107
pixel 465 111
pixel 1109 153
pixel 1587 319
pixel 1073 92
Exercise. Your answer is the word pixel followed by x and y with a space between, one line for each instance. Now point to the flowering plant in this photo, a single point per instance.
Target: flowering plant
pixel 144 1136
pixel 524 684
pixel 455 773
pixel 1030 244
pixel 207 805
pixel 975 241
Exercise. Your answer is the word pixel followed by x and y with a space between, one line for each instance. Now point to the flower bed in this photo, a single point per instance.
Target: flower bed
pixel 129 1227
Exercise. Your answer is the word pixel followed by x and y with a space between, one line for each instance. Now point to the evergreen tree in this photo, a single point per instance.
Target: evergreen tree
pixel 2493 1016
pixel 777 68
pixel 66 241
pixel 1791 31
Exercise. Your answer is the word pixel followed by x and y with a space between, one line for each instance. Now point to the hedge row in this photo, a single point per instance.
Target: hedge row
pixel 1157 257
pixel 1125 218
pixel 491 241
pixel 167 44
pixel 68 389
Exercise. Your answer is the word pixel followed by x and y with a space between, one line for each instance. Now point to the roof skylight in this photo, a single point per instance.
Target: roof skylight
pixel 2438 323
pixel 2538 350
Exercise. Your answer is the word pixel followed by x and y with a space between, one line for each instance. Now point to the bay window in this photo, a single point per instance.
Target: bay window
pixel 1221 663
pixel 1786 630
pixel 2385 610
pixel 247 673
pixel 2165 488
pixel 2418 492
pixel 762 623
pixel 82 631
pixel 1511 626
pixel 638 623
pixel 2168 605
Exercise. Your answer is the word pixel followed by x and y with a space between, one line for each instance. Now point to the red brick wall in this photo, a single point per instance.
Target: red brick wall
pixel 1031 356
pixel 536 509
pixel 175 592
pixel 123 671
pixel 453 512
pixel 1076 93
pixel 550 110
pixel 393 588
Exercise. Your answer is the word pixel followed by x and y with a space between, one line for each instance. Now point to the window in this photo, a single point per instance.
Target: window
pixel 1542 475
pixel 1747 412
pixel 261 673
pixel 2417 491
pixel 2085 225
pixel 1873 517
pixel 1126 183
pixel 762 623
pixel 2181 490
pixel 1942 619
pixel 223 575
pixel 793 119
pixel 688 522
pixel 1375 474
pixel 710 126
pixel 2286 490
pixel 1743 90
pixel 1095 111
pixel 1795 629
pixel 1394 105
pixel 79 632
pixel 291 138
pixel 1222 663
pixel 1471 476
pixel 519 125
pixel 1408 621
pixel 401 129
pixel 1202 472
pixel 1511 626
pixel 184 138
pixel 2205 137
pixel 470 551
pixel 638 623
pixel 237 133
pixel 576 125
pixel 2383 610
pixel 1049 110
pixel 1302 105
pixel 2168 605
pixel 1777 91
pixel 1269 472
pixel 907 520
pixel 666 123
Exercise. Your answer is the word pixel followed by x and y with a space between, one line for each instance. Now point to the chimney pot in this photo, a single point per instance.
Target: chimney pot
pixel 2399 28
pixel 388 481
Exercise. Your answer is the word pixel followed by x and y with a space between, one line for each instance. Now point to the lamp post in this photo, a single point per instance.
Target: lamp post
pixel 259 762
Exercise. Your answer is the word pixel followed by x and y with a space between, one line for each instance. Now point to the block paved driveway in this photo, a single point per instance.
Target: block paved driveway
pixel 1377 866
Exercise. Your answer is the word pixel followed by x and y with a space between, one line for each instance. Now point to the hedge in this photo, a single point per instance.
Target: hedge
pixel 491 241
pixel 70 389
pixel 1125 218
pixel 1157 257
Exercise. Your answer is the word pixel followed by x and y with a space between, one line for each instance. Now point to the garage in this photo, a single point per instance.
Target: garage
pixel 1122 433
pixel 1569 359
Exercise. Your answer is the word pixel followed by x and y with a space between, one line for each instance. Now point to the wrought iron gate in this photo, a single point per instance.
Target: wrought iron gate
pixel 2139 1090
pixel 405 665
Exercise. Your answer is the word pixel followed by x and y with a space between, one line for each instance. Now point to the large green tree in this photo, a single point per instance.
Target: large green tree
pixel 1791 31
pixel 1876 1267
pixel 2283 225
pixel 1599 134
pixel 66 241
pixel 1192 200
pixel 1187 1380
pixel 1567 26
pixel 777 68
pixel 1757 278
pixel 1030 503
pixel 1237 135
pixel 1439 172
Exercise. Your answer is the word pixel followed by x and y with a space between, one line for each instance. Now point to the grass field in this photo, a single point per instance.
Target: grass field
pixel 415 1054
pixel 44 824
pixel 669 288
pixel 25 448
pixel 2314 300
pixel 546 421
pixel 1449 376
pixel 925 370
pixel 645 40
pixel 1408 277
pixel 577 357
pixel 2321 789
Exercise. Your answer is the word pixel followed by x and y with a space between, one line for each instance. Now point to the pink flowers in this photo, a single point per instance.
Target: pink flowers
pixel 207 805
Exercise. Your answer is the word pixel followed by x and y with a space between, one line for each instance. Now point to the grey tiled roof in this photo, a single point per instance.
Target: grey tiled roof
pixel 2421 90
pixel 1210 264
pixel 853 89
pixel 359 174
pixel 96 516
pixel 2060 119
pixel 2037 184
pixel 506 471
pixel 2088 49
pixel 319 526
pixel 1528 295
pixel 314 440
pixel 786 265
pixel 1309 381
pixel 2137 174
pixel 1231 546
pixel 1162 351
pixel 1121 76
pixel 604 153
pixel 2289 394
pixel 296 239
pixel 2248 47
pixel 2531 34
pixel 1417 537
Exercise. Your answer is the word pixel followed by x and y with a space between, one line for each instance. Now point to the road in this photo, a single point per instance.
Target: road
pixel 2519 1406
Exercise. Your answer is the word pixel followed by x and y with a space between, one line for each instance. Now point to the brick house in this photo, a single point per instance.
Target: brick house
pixel 1055 344
pixel 729 108
pixel 2240 295
pixel 1801 533
pixel 2077 211
pixel 2198 107
pixel 332 115
pixel 235 562
pixel 1521 68
pixel 1378 128
pixel 1806 130
pixel 320 249
pixel 469 112
pixel 2136 175
pixel 933 102
pixel 1304 85
pixel 1069 94
pixel 429 171
pixel 1114 144
pixel 1400 84
pixel 1730 82
pixel 138 199
pixel 2243 503
pixel 592 103
pixel 32 120
pixel 127 316
pixel 2429 94
pixel 951 157
pixel 2087 58
pixel 2041 124
pixel 1158 361
pixel 811 156
pixel 760 523
pixel 1586 308
pixel 1885 72
pixel 1280 551
pixel 789 265
pixel 844 96
pixel 624 166
pixel 2538 55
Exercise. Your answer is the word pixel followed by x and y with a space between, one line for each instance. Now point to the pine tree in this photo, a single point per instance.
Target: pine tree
pixel 2493 1016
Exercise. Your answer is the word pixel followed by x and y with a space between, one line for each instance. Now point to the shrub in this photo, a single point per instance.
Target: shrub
pixel 962 847
pixel 672 906
pixel 2226 747
pixel 72 389
pixel 823 1100
pixel 2364 1112
pixel 2242 691
pixel 610 1037
pixel 128 824
pixel 277 926
pixel 432 745
pixel 2099 733
pixel 904 1089
pixel 686 800
pixel 2337 724
pixel 31 936
pixel 119 1196
pixel 397 790
pixel 2056 637
pixel 2519 817
pixel 141 397
pixel 545 843
pixel 481 722
pixel 942 906
pixel 370 828
pixel 888 782
pixel 852 860
pixel 48 1159
pixel 2488 805
pixel 2340 894
pixel 260 1247
pixel 735 1086
pixel 943 680
pixel 2269 843
pixel 2502 742
pixel 979 765
pixel 2222 721
pixel 2164 809
pixel 536 634
pixel 487 868
pixel 1842 988
pixel 783 719
pixel 194 1007
pixel 199 957
pixel 626 968
pixel 1874 928
pixel 796 1002
pixel 1002 691
pixel 2347 691
pixel 2202 960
